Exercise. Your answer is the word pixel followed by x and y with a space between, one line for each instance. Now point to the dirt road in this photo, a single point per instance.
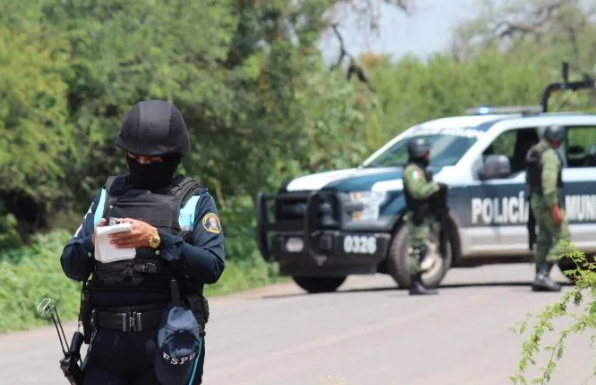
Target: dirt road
pixel 368 333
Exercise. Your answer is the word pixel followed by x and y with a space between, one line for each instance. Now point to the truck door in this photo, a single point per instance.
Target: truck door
pixel 579 178
pixel 498 207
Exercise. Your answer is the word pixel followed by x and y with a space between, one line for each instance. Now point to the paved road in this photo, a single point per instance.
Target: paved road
pixel 368 333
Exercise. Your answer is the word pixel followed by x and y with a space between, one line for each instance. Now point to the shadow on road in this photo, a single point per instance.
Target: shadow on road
pixel 462 285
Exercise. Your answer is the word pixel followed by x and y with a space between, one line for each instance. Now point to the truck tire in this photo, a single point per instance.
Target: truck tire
pixel 397 260
pixel 319 284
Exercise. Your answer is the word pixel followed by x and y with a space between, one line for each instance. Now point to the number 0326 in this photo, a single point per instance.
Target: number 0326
pixel 360 244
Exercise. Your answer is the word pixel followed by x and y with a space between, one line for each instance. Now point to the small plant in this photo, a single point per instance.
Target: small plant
pixel 584 292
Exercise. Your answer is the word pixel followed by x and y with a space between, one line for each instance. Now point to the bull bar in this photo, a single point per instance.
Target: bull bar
pixel 307 227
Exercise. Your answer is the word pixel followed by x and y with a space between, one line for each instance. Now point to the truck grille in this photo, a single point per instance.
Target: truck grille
pixel 292 208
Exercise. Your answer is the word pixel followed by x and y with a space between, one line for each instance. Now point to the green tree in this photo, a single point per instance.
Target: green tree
pixel 34 127
pixel 247 75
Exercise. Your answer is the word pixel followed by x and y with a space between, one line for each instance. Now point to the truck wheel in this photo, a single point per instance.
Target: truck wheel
pixel 319 284
pixel 397 260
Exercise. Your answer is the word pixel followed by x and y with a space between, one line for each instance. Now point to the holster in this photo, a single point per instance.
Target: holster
pixel 69 364
pixel 200 308
pixel 72 371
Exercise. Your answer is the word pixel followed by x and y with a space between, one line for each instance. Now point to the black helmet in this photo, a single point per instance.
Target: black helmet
pixel 418 147
pixel 154 128
pixel 555 133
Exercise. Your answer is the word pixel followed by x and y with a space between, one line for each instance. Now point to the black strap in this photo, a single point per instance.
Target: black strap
pixel 188 186
pixel 115 183
pixel 128 321
pixel 175 291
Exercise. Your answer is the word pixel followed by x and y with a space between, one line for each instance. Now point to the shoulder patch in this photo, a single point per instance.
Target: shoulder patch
pixel 211 223
pixel 416 174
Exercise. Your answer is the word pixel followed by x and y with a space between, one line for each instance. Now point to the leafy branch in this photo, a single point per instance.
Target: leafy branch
pixel 584 275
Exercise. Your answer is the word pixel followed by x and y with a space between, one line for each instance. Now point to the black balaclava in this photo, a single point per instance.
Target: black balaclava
pixel 151 176
pixel 422 161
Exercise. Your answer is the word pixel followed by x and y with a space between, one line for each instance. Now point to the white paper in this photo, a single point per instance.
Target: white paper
pixel 105 252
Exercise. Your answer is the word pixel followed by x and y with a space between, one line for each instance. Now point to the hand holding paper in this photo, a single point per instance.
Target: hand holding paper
pixel 138 237
pixel 105 251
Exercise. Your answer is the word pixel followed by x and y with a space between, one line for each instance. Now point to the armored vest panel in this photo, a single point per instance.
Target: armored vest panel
pixel 419 207
pixel 146 271
pixel 534 169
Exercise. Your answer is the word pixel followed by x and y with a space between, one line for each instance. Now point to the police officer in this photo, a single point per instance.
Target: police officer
pixel 418 189
pixel 544 179
pixel 177 234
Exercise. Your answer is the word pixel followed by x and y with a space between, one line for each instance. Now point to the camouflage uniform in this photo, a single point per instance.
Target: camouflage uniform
pixel 550 237
pixel 418 187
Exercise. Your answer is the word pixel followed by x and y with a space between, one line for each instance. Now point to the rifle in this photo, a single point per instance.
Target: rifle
pixel 70 363
pixel 531 225
pixel 440 209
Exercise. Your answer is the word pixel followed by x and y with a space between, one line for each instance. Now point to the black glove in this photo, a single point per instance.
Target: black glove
pixel 442 186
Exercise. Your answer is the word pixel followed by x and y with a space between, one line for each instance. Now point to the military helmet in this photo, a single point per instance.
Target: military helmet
pixel 418 147
pixel 555 133
pixel 154 128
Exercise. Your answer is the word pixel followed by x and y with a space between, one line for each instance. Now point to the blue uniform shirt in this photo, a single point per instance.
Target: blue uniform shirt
pixel 202 260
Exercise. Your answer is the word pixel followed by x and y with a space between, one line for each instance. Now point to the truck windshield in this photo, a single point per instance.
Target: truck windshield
pixel 446 150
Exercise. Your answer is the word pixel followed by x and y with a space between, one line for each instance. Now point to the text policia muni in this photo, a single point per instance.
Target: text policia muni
pixel 514 209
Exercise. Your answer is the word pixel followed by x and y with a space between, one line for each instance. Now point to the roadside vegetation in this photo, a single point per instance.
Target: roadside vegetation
pixel 577 310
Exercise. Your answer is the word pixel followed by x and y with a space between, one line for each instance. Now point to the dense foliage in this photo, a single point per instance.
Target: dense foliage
pixel 246 75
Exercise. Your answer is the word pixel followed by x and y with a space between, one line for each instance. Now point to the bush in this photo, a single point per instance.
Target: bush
pixel 584 291
pixel 29 275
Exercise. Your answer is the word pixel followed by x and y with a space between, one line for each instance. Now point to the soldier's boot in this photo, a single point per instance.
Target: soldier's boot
pixel 425 263
pixel 543 282
pixel 417 286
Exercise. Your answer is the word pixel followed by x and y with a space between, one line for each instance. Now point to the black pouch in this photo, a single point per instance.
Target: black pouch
pixel 205 308
pixel 85 312
pixel 200 308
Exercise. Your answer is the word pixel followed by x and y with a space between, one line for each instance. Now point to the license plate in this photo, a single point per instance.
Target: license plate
pixel 294 245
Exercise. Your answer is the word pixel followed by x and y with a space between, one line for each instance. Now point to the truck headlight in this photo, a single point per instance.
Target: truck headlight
pixel 370 203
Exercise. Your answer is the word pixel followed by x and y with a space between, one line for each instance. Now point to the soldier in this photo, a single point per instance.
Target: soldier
pixel 544 179
pixel 418 189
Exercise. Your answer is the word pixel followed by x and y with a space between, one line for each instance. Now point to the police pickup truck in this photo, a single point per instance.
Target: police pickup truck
pixel 321 228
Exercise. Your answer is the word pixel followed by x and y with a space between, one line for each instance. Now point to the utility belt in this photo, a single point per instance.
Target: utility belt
pixel 137 318
pixel 127 319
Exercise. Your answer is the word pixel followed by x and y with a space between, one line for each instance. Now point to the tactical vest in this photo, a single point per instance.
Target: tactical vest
pixel 418 207
pixel 172 211
pixel 534 169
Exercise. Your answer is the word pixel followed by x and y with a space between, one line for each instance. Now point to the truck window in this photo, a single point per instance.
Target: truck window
pixel 580 146
pixel 514 144
pixel 446 150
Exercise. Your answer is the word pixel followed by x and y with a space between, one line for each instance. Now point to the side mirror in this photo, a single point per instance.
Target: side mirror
pixel 495 166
